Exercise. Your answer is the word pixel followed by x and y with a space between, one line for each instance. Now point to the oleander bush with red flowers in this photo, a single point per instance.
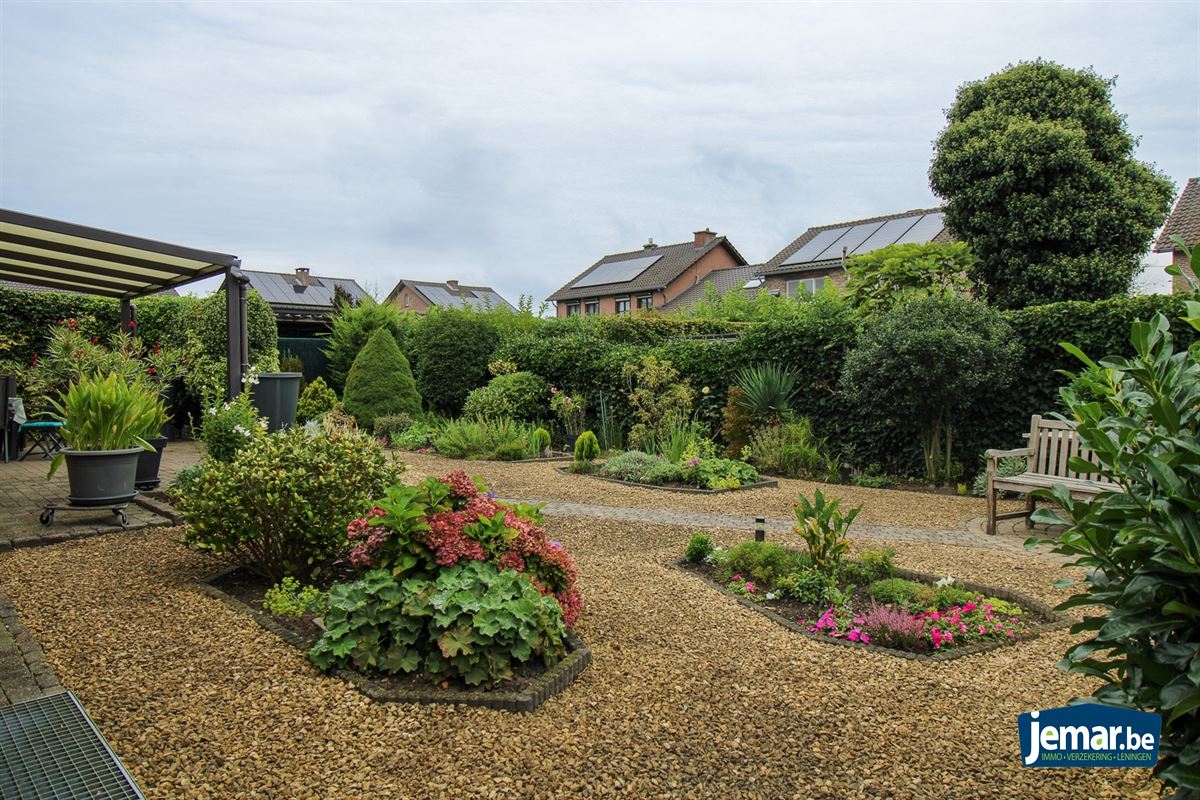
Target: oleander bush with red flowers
pixel 455 584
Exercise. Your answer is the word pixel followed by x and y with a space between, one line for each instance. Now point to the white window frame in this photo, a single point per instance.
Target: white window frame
pixel 811 286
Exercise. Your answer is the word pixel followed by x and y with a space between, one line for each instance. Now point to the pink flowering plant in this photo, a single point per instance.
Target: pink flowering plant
pixel 441 522
pixel 923 631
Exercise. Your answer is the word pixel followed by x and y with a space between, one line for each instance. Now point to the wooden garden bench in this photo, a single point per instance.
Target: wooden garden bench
pixel 1052 443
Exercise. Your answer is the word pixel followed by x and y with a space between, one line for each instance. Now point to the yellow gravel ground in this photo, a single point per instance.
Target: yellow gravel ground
pixel 543 481
pixel 689 694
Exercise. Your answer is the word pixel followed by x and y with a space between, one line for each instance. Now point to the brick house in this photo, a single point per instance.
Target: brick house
pixel 646 279
pixel 819 254
pixel 1185 222
pixel 420 296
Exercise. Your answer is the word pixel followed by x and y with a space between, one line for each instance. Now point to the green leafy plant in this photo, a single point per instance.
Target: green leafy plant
pixel 1005 468
pixel 699 548
pixel 791 450
pixel 391 425
pixel 451 349
pixel 765 562
pixel 1139 544
pixel 474 622
pixel 513 395
pixel 901 593
pixel 870 566
pixel 316 400
pixel 881 279
pixel 380 382
pixel 280 507
pixel 108 413
pixel 639 467
pixel 289 598
pixel 485 439
pixel 416 436
pixel 767 391
pixel 658 397
pixel 718 473
pixel 610 433
pixel 539 441
pixel 873 480
pixel 231 427
pixel 810 586
pixel 823 527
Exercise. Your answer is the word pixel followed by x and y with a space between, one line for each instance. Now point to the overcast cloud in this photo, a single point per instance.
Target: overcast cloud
pixel 512 145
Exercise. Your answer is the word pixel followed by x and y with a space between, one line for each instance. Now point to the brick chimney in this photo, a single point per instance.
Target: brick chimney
pixel 302 276
pixel 704 237
pixel 453 285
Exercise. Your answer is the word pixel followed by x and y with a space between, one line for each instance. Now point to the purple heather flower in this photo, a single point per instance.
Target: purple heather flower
pixel 491 494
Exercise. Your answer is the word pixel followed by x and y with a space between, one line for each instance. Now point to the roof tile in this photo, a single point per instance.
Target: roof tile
pixel 1184 220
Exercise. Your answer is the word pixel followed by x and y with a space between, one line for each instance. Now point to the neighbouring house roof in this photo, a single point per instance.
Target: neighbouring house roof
pixel 454 294
pixel 820 247
pixel 298 293
pixel 723 281
pixel 29 287
pixel 1184 220
pixel 648 269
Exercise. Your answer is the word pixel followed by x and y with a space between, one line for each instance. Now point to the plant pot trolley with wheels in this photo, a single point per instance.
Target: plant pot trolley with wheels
pixel 48 511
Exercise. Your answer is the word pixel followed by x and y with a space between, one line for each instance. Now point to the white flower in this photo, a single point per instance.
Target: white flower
pixel 262 423
pixel 771 596
pixel 946 581
pixel 241 430
pixel 212 410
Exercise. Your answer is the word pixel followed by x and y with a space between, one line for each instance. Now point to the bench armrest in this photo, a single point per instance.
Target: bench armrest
pixel 996 455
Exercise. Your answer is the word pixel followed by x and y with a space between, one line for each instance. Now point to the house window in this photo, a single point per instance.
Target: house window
pixel 622 305
pixel 645 301
pixel 805 285
pixel 573 309
pixel 591 307
pixel 407 301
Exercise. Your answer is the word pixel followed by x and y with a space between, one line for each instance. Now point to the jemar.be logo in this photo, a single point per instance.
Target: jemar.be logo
pixel 1089 735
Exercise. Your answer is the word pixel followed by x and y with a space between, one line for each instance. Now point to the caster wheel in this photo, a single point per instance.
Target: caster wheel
pixel 122 518
pixel 46 518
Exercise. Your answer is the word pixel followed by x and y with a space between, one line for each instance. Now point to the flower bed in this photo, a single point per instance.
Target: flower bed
pixel 673 487
pixel 955 619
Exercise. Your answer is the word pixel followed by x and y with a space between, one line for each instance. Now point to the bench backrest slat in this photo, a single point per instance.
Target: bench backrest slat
pixel 1054 444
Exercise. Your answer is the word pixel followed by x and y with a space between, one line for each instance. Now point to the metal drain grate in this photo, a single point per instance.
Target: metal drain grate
pixel 51 750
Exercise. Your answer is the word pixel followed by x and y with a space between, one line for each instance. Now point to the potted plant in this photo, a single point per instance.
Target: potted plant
pixel 105 424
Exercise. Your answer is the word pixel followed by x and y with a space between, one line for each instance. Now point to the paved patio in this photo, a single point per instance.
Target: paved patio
pixel 24 490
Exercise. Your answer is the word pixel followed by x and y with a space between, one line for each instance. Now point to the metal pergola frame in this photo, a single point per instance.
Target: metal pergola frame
pixel 65 256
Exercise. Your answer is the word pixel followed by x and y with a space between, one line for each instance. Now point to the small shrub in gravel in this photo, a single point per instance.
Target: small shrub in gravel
pixel 380 382
pixel 290 598
pixel 485 439
pixel 316 401
pixel 806 586
pixel 699 548
pixel 900 592
pixel 632 465
pixel 765 562
pixel 718 473
pixel 281 506
pixel 389 425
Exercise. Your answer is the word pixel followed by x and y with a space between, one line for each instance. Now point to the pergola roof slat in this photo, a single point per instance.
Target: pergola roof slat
pixel 30 272
pixel 22 276
pixel 69 269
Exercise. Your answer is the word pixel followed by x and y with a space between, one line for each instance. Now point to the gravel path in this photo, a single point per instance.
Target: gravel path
pixel 689 693
pixel 544 482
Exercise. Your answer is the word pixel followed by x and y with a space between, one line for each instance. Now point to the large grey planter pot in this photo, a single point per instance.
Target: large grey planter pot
pixel 101 477
pixel 275 396
pixel 147 465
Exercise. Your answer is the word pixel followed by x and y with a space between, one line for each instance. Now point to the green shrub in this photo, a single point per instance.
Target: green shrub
pixel 925 364
pixel 1006 468
pixel 871 566
pixel 663 473
pixel 452 348
pixel 946 596
pixel 658 400
pixel 1003 607
pixel 587 450
pixel 632 465
pixel 823 528
pixel 765 562
pixel 231 427
pixel 281 506
pixel 539 441
pixel 474 622
pixel 737 423
pixel 806 586
pixel 389 426
pixel 699 548
pixel 900 592
pixel 316 401
pixel 185 480
pixel 352 327
pixel 1139 548
pixel 790 450
pixel 289 598
pixel 719 473
pixel 380 382
pixel 484 439
pixel 515 395
pixel 877 281
pixel 416 436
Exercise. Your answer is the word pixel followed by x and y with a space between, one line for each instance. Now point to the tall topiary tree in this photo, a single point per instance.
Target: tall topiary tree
pixel 924 365
pixel 1038 174
pixel 352 327
pixel 380 382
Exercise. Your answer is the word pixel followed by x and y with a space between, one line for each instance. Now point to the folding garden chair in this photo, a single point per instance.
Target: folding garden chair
pixel 43 435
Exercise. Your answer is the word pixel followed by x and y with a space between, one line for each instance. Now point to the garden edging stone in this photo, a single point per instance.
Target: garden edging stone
pixel 766 484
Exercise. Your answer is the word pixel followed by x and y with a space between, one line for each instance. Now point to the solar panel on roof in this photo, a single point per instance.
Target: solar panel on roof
pixel 850 240
pixel 926 228
pixel 815 245
pixel 617 271
pixel 887 234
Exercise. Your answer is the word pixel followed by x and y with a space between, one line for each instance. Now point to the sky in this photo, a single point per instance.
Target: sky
pixel 512 145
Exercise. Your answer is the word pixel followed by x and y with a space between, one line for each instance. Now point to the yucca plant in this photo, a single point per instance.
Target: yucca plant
pixel 107 413
pixel 767 391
